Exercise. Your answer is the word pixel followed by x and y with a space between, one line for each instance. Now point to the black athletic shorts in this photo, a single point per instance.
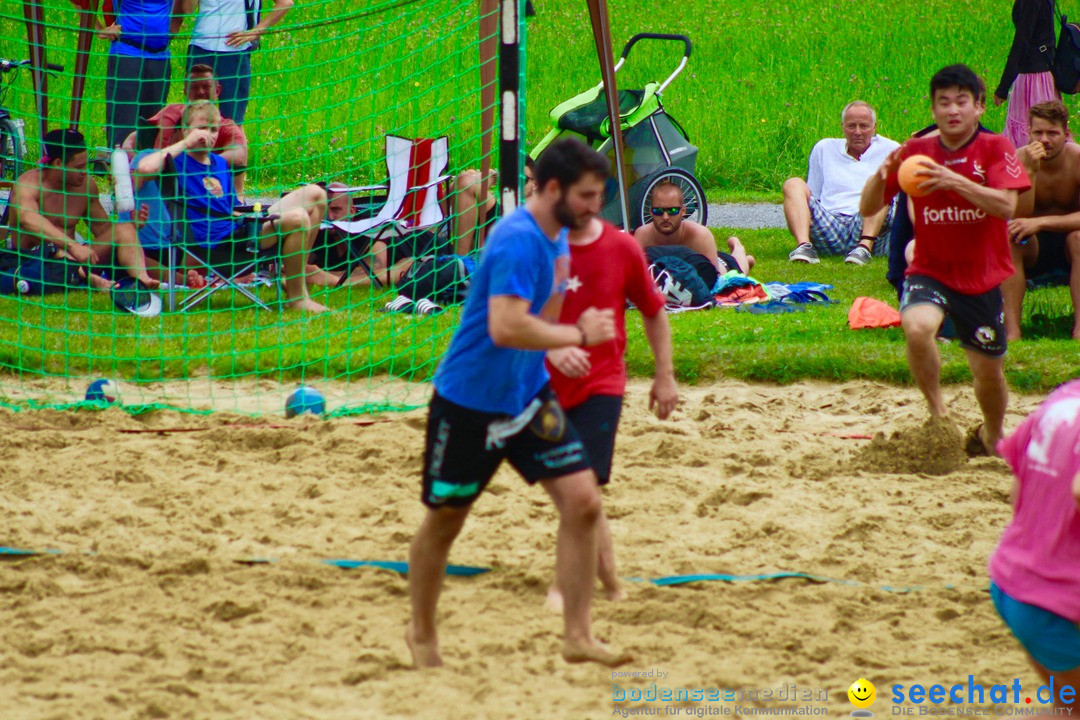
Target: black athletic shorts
pixel 1052 255
pixel 465 447
pixel 979 319
pixel 596 421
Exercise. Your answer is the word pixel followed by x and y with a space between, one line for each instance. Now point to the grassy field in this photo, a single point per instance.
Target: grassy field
pixel 764 83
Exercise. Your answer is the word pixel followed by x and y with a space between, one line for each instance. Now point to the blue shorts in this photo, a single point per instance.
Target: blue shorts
pixel 837 234
pixel 1053 641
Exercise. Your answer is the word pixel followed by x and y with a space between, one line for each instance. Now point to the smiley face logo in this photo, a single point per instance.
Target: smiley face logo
pixel 862 695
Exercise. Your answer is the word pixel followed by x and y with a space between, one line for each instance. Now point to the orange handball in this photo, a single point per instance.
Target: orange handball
pixel 909 181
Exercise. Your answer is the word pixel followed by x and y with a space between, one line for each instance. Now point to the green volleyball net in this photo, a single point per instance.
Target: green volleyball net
pixel 330 82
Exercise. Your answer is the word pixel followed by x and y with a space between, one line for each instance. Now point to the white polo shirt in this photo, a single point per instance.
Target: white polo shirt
pixel 216 19
pixel 836 179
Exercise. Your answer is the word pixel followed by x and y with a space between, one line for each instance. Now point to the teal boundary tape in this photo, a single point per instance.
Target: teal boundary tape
pixel 12 553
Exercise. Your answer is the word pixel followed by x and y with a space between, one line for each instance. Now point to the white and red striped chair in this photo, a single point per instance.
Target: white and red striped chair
pixel 415 170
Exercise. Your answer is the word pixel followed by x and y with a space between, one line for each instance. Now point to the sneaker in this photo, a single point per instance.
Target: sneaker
pixel 804 253
pixel 427 307
pixel 858 256
pixel 400 304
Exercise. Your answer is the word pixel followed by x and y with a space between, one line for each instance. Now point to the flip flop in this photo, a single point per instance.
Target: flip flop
pixel 973 443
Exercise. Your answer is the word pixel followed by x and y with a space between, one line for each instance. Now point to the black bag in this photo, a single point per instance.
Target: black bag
pixel 680 283
pixel 40 276
pixel 706 270
pixel 443 279
pixel 1066 67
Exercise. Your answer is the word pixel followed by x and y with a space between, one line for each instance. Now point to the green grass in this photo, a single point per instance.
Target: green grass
pixel 80 335
pixel 765 82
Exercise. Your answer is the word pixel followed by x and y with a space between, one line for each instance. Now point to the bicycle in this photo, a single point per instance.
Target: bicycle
pixel 12 129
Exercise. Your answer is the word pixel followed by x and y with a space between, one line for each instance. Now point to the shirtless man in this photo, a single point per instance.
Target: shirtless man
pixel 669 226
pixel 1046 235
pixel 49 203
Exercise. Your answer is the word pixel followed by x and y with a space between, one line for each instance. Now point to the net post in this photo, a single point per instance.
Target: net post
pixel 510 112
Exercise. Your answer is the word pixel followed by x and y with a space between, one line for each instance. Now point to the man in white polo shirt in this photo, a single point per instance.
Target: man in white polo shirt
pixel 822 212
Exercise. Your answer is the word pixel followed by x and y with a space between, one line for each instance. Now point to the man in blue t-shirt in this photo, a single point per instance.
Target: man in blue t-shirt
pixel 137 74
pixel 493 402
pixel 205 182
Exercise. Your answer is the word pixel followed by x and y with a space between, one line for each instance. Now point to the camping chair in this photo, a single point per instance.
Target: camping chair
pixel 415 169
pixel 243 250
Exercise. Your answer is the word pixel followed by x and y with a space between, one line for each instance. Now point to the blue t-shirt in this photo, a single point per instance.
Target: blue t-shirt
pixel 209 196
pixel 519 260
pixel 155 233
pixel 144 25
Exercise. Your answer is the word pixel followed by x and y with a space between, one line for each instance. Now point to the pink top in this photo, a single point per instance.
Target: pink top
pixel 1038 558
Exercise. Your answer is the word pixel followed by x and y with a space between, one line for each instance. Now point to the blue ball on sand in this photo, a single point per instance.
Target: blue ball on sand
pixel 304 399
pixel 102 390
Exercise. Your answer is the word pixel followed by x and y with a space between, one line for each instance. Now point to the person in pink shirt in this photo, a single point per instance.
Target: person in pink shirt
pixel 1035 571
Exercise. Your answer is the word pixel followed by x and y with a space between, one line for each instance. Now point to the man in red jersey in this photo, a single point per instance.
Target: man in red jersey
pixel 607 268
pixel 962 245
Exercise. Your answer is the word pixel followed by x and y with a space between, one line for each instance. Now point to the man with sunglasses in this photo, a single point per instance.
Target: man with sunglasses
pixel 669 227
pixel 822 212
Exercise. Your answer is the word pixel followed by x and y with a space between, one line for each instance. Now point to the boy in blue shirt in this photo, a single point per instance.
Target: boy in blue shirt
pixel 493 402
pixel 206 183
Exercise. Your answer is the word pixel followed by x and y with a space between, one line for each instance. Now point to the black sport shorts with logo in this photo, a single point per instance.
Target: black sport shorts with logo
pixel 979 319
pixel 597 422
pixel 465 447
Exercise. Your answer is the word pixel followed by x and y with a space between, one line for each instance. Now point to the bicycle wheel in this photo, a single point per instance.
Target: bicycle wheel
pixel 12 149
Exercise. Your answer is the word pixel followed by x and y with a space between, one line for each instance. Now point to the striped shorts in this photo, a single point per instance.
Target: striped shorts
pixel 837 234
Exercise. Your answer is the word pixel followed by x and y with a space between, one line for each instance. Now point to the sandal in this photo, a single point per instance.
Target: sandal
pixel 973 443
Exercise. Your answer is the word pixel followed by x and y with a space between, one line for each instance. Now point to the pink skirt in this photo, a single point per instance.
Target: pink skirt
pixel 1028 89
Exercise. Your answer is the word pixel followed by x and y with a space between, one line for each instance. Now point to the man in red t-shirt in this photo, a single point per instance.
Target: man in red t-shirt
pixel 961 245
pixel 607 268
pixel 231 144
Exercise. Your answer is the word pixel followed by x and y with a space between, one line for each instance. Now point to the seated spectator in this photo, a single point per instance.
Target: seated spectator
pixel 330 256
pixel 1049 240
pixel 669 226
pixel 209 193
pixel 231 142
pixel 48 204
pixel 822 212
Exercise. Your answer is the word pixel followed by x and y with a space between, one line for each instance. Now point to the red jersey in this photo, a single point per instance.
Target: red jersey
pixel 958 243
pixel 168 120
pixel 605 274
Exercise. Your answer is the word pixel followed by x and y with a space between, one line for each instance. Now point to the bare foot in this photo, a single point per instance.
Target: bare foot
pixel 615 593
pixel 99 283
pixel 594 651
pixel 149 281
pixel 424 654
pixel 1076 333
pixel 554 601
pixel 307 305
pixel 751 261
pixel 195 281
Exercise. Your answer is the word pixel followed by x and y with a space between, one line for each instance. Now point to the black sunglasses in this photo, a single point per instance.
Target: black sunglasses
pixel 672 211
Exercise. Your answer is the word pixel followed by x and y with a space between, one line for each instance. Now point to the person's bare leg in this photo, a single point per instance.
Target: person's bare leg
pixel 129 254
pixel 292 225
pixel 467 191
pixel 737 251
pixel 797 209
pixel 427 565
pixel 992 393
pixel 605 568
pixel 575 565
pixel 1060 679
pixel 311 199
pixel 1013 288
pixel 1072 250
pixel 871 226
pixel 921 323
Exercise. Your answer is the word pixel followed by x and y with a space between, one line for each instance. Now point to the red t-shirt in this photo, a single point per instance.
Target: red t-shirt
pixel 956 242
pixel 168 120
pixel 605 274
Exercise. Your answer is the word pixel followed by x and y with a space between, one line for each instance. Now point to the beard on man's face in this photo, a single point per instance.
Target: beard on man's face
pixel 566 216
